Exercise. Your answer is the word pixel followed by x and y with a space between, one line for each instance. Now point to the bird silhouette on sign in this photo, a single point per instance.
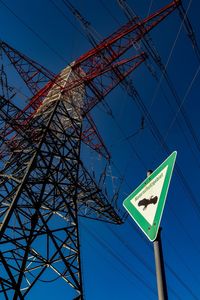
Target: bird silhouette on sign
pixel 145 202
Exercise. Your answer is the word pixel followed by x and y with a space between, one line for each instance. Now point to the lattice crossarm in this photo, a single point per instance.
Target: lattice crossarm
pixel 101 86
pixel 34 75
pixel 120 41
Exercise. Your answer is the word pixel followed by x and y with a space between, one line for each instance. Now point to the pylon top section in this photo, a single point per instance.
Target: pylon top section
pixel 96 72
pixel 92 67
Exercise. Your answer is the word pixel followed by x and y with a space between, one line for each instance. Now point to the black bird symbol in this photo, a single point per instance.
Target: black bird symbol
pixel 145 202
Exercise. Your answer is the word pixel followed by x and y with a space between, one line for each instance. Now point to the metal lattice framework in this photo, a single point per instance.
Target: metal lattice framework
pixel 44 185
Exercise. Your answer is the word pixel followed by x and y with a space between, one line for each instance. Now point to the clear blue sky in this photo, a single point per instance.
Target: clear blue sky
pixel 117 261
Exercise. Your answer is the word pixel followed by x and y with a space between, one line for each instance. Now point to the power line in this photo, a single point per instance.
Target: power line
pixel 178 278
pixel 150 48
pixel 156 133
pixel 149 246
pixel 150 7
pixel 132 250
pixel 34 32
pixel 180 126
pixel 181 258
pixel 189 30
pixel 66 17
pixel 109 11
pixel 114 265
pixel 153 53
pixel 125 136
pixel 159 138
pixel 188 289
pixel 183 100
pixel 138 256
pixel 114 254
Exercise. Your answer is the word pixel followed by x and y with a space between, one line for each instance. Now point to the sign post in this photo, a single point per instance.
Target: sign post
pixel 160 269
pixel 145 205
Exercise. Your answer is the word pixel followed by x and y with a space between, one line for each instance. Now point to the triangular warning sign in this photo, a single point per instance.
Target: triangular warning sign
pixel 146 203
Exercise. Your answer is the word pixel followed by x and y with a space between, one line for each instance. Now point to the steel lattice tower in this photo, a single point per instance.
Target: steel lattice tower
pixel 44 185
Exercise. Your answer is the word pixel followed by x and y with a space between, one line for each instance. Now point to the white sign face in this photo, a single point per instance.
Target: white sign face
pixel 147 200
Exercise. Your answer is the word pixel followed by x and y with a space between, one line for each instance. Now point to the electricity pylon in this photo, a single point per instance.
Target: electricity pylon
pixel 44 185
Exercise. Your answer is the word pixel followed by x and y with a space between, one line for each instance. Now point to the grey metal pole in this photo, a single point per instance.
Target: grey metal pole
pixel 160 270
pixel 159 262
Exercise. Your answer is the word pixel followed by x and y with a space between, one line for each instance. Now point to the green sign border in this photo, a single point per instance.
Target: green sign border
pixel 152 230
